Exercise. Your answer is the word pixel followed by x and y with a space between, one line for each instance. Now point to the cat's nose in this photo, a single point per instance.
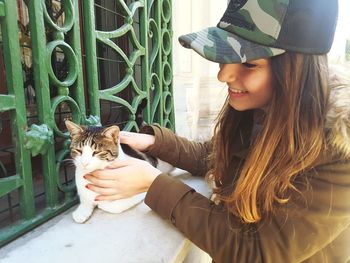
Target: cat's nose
pixel 84 163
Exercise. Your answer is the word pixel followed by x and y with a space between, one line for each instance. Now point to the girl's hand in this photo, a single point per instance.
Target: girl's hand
pixel 138 141
pixel 122 179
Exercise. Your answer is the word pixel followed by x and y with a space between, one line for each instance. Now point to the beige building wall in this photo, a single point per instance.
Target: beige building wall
pixel 197 93
pixel 342 33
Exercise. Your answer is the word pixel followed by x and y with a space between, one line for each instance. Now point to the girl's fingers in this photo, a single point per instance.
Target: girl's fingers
pixel 101 174
pixel 126 133
pixel 137 141
pixel 105 183
pixel 126 137
pixel 101 190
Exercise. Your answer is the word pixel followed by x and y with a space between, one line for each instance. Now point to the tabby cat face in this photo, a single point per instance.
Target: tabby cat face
pixel 93 147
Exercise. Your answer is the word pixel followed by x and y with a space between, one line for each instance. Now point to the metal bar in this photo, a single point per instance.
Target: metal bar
pixel 91 57
pixel 78 87
pixel 170 59
pixel 7 102
pixel 14 81
pixel 9 184
pixel 2 9
pixel 159 67
pixel 13 231
pixel 42 90
pixel 156 62
pixel 145 73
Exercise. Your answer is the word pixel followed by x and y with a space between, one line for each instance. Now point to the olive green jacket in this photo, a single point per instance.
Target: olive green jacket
pixel 312 227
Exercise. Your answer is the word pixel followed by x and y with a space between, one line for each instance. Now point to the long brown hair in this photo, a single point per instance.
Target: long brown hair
pixel 289 142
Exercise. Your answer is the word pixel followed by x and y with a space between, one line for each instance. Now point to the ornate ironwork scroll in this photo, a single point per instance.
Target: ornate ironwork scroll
pixel 55 70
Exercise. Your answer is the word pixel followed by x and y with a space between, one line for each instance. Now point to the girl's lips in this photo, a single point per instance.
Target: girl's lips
pixel 236 95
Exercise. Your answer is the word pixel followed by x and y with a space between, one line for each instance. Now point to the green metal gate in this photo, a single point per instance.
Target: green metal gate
pixel 38 147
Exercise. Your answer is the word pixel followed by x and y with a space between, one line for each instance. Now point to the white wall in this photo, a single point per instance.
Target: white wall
pixel 337 53
pixel 197 93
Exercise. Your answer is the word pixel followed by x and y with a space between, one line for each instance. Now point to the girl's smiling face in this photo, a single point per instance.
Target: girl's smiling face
pixel 250 85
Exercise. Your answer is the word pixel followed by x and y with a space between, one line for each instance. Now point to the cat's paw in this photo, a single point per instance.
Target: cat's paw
pixel 80 216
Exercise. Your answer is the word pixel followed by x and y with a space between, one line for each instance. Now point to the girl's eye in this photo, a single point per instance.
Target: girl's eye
pixel 249 65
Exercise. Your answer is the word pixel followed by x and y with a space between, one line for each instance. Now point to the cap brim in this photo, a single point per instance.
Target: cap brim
pixel 218 45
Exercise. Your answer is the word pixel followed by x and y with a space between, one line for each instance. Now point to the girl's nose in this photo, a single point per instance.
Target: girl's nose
pixel 227 73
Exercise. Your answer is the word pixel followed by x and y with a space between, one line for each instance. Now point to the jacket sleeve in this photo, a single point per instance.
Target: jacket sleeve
pixel 178 151
pixel 296 231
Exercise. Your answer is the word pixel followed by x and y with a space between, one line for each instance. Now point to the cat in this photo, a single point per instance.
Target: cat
pixel 94 148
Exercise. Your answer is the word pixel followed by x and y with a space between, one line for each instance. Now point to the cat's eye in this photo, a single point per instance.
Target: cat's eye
pixel 249 65
pixel 103 155
pixel 98 153
pixel 110 152
pixel 78 151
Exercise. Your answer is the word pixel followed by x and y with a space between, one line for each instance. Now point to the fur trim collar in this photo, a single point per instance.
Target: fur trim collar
pixel 338 120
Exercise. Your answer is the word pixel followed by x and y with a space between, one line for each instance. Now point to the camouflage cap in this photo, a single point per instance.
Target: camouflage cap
pixel 254 29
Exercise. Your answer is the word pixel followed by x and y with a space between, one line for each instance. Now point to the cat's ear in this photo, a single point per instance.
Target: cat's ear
pixel 73 129
pixel 112 133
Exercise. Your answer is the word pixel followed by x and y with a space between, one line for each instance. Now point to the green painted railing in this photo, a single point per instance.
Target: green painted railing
pixel 146 26
pixel 153 48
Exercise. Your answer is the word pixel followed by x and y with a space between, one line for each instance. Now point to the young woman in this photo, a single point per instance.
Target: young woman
pixel 280 154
